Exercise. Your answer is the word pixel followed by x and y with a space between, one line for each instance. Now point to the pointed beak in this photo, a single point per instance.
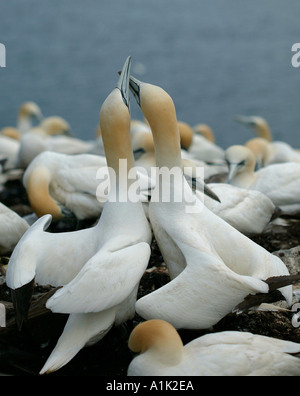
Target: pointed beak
pixel 123 83
pixel 242 120
pixel 200 185
pixel 232 172
pixel 135 88
pixel 207 191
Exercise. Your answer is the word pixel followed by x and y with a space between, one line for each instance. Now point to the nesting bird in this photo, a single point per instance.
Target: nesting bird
pixel 162 353
pixel 249 211
pixel 200 143
pixel 273 152
pixel 58 183
pixel 279 182
pixel 53 134
pixel 205 256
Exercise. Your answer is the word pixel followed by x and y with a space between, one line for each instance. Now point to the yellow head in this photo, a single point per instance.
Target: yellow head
pixel 205 131
pixel 55 126
pixel 159 337
pixel 258 124
pixel 186 135
pixel 29 110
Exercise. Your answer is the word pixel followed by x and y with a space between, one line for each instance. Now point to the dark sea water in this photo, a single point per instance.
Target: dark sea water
pixel 217 59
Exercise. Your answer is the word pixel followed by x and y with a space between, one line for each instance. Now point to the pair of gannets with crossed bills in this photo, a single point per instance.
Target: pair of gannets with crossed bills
pixel 231 353
pixel 212 266
pixel 264 147
pixel 279 182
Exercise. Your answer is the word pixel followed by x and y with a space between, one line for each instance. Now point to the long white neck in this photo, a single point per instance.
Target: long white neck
pixel 24 124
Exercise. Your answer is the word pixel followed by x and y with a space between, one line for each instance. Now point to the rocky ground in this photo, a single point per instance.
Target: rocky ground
pixel 24 353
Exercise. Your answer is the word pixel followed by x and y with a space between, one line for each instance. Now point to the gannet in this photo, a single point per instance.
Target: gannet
pixel 209 270
pixel 57 182
pixel 278 152
pixel 104 292
pixel 248 211
pixel 230 353
pixel 199 146
pixel 279 182
pixel 53 134
pixel 9 149
pixel 206 131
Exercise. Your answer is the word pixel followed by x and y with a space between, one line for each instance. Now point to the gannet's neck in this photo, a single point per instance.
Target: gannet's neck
pixel 37 186
pixel 159 110
pixel 115 127
pixel 24 124
pixel 244 179
pixel 263 130
pixel 241 161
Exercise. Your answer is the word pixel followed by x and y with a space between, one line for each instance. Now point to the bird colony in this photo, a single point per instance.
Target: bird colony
pixel 84 224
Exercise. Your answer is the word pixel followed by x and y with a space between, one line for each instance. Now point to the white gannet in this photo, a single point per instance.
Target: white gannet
pixel 206 131
pixel 230 353
pixel 55 181
pixel 51 135
pixel 210 272
pixel 104 292
pixel 262 151
pixel 9 149
pixel 199 146
pixel 279 182
pixel 248 211
pixel 28 113
pixel 12 228
pixel 58 184
pixel 278 152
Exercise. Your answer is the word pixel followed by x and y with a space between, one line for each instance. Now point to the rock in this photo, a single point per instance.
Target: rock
pixel 291 258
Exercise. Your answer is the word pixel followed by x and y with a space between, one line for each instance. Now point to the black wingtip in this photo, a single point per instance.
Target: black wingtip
pixel 21 298
pixel 274 295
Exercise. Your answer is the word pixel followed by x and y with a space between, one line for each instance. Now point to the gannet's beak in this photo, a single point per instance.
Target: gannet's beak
pixel 243 120
pixel 197 184
pixel 207 191
pixel 232 172
pixel 135 88
pixel 123 83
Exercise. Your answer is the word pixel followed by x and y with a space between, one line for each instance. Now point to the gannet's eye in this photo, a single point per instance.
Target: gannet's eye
pixel 138 153
pixel 242 163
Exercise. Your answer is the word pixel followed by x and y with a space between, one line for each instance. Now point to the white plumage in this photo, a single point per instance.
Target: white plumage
pixel 279 182
pixel 248 211
pixel 205 256
pixel 104 291
pixel 230 353
pixel 12 228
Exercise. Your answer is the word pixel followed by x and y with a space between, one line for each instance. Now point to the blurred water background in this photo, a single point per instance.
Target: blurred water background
pixel 217 59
